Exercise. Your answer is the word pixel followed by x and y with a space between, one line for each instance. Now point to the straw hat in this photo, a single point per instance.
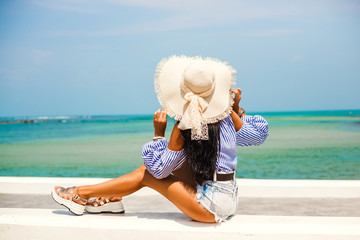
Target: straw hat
pixel 195 91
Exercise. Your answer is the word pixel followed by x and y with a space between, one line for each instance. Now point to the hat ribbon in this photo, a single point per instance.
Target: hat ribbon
pixel 194 120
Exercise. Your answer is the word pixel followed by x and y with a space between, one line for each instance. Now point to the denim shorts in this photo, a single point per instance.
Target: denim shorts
pixel 219 198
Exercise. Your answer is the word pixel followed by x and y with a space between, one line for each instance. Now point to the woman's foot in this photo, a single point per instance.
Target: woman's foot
pixel 69 198
pixel 105 205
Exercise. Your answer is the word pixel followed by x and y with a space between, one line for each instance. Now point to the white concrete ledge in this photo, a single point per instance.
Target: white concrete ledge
pixel 59 224
pixel 248 187
pixel 146 223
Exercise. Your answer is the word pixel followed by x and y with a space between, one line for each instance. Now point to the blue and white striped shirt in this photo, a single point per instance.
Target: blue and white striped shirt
pixel 161 161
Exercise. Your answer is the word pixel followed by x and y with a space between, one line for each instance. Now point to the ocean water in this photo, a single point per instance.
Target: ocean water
pixel 301 145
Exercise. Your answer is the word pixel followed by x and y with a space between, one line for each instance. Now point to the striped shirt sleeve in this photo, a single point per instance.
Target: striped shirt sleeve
pixel 253 131
pixel 159 160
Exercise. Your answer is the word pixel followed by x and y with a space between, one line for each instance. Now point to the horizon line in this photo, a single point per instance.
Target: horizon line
pixel 149 114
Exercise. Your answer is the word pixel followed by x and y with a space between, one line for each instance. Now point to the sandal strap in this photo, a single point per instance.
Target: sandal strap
pixel 80 199
pixel 96 202
pixel 65 194
pixel 72 192
pixel 77 197
pixel 69 193
pixel 62 192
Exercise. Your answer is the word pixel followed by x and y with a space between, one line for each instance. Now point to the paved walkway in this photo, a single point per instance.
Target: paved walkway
pixel 268 209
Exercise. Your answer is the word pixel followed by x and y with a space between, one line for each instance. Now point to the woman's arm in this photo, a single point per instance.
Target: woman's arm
pixel 176 142
pixel 238 123
pixel 250 130
pixel 161 157
pixel 253 132
pixel 234 114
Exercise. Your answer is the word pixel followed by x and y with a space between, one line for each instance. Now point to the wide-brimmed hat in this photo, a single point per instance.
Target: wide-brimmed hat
pixel 195 91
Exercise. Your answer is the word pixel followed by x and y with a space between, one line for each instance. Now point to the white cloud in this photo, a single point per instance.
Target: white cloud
pixel 276 6
pixel 211 8
pixel 187 14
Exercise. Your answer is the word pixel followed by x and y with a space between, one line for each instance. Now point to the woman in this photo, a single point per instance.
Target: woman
pixel 195 169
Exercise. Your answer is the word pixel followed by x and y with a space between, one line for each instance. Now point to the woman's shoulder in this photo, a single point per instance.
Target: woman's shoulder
pixel 227 123
pixel 228 119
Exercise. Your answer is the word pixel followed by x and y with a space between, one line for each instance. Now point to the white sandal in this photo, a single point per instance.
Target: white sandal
pixel 104 205
pixel 67 198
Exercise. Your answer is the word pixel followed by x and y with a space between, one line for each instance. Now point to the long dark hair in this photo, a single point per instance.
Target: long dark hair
pixel 201 155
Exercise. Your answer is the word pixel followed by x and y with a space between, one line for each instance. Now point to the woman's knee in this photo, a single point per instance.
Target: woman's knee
pixel 142 168
pixel 142 174
pixel 148 179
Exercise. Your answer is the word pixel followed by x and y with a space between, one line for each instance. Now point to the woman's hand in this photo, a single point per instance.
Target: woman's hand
pixel 237 99
pixel 160 121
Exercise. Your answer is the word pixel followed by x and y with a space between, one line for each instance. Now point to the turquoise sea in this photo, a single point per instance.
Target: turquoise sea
pixel 301 145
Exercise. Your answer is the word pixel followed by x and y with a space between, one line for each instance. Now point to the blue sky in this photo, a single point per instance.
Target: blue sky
pixel 77 57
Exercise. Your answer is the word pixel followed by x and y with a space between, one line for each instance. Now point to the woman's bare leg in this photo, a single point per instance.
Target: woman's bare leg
pixel 116 187
pixel 179 193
